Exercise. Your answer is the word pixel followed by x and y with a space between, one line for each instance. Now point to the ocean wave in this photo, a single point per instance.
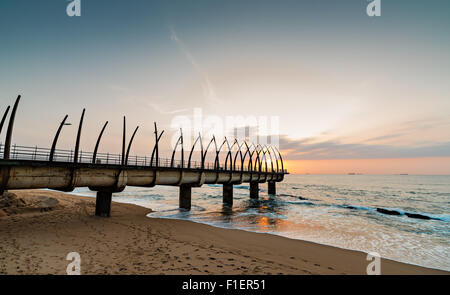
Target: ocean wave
pixel 354 207
pixel 398 212
pixel 301 203
pixel 294 196
pixel 386 211
pixel 443 217
pixel 408 214
pixel 214 185
pixel 241 187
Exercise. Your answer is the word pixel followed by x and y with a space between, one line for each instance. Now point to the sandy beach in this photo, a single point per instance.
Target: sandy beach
pixel 39 228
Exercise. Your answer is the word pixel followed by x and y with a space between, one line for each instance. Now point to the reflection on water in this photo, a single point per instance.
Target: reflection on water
pixel 266 213
pixel 405 218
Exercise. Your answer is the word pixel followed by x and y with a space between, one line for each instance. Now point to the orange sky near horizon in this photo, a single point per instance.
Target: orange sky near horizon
pixel 422 166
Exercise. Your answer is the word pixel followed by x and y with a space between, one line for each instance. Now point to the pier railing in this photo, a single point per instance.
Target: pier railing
pixel 19 152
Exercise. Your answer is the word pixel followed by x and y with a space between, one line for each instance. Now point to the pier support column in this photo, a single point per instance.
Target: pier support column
pixel 103 204
pixel 228 194
pixel 272 188
pixel 185 196
pixel 254 190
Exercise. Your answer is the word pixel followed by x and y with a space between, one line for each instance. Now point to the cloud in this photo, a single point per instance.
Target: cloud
pixel 384 137
pixel 311 149
pixel 208 88
pixel 126 94
pixel 158 108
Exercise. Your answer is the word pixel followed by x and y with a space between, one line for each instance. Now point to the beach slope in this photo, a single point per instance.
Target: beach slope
pixel 39 228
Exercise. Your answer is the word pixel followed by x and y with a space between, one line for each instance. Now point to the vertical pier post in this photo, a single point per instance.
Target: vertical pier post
pixel 272 188
pixel 254 190
pixel 103 204
pixel 228 194
pixel 185 196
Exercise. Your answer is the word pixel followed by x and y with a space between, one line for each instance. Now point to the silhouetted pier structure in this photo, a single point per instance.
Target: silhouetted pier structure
pixel 24 167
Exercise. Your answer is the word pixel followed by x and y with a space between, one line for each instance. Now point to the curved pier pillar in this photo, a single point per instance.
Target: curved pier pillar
pixel 228 194
pixel 272 187
pixel 185 196
pixel 254 190
pixel 103 204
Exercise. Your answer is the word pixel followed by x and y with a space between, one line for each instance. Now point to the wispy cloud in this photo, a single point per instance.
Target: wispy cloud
pixel 208 88
pixel 126 95
pixel 311 149
pixel 160 110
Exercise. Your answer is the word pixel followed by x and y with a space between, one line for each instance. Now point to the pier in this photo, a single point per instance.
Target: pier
pixel 23 167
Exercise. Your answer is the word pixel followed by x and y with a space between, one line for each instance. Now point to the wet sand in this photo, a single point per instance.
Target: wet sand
pixel 40 228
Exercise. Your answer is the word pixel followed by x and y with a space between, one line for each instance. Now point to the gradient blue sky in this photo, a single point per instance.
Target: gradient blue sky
pixel 345 86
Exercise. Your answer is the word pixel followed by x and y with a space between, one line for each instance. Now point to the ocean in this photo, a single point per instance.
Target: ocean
pixel 402 217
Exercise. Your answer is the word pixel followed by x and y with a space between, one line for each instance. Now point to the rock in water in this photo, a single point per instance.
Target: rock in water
pixel 419 216
pixel 388 212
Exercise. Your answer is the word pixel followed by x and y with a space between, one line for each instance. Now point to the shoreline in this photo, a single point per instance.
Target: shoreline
pixel 129 242
pixel 294 239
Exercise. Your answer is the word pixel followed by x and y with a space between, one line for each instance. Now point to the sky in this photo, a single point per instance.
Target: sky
pixel 350 93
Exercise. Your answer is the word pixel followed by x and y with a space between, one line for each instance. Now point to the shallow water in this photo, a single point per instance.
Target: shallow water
pixel 402 217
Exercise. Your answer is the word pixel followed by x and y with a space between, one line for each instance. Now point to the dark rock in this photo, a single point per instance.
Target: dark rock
pixel 388 212
pixel 418 216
